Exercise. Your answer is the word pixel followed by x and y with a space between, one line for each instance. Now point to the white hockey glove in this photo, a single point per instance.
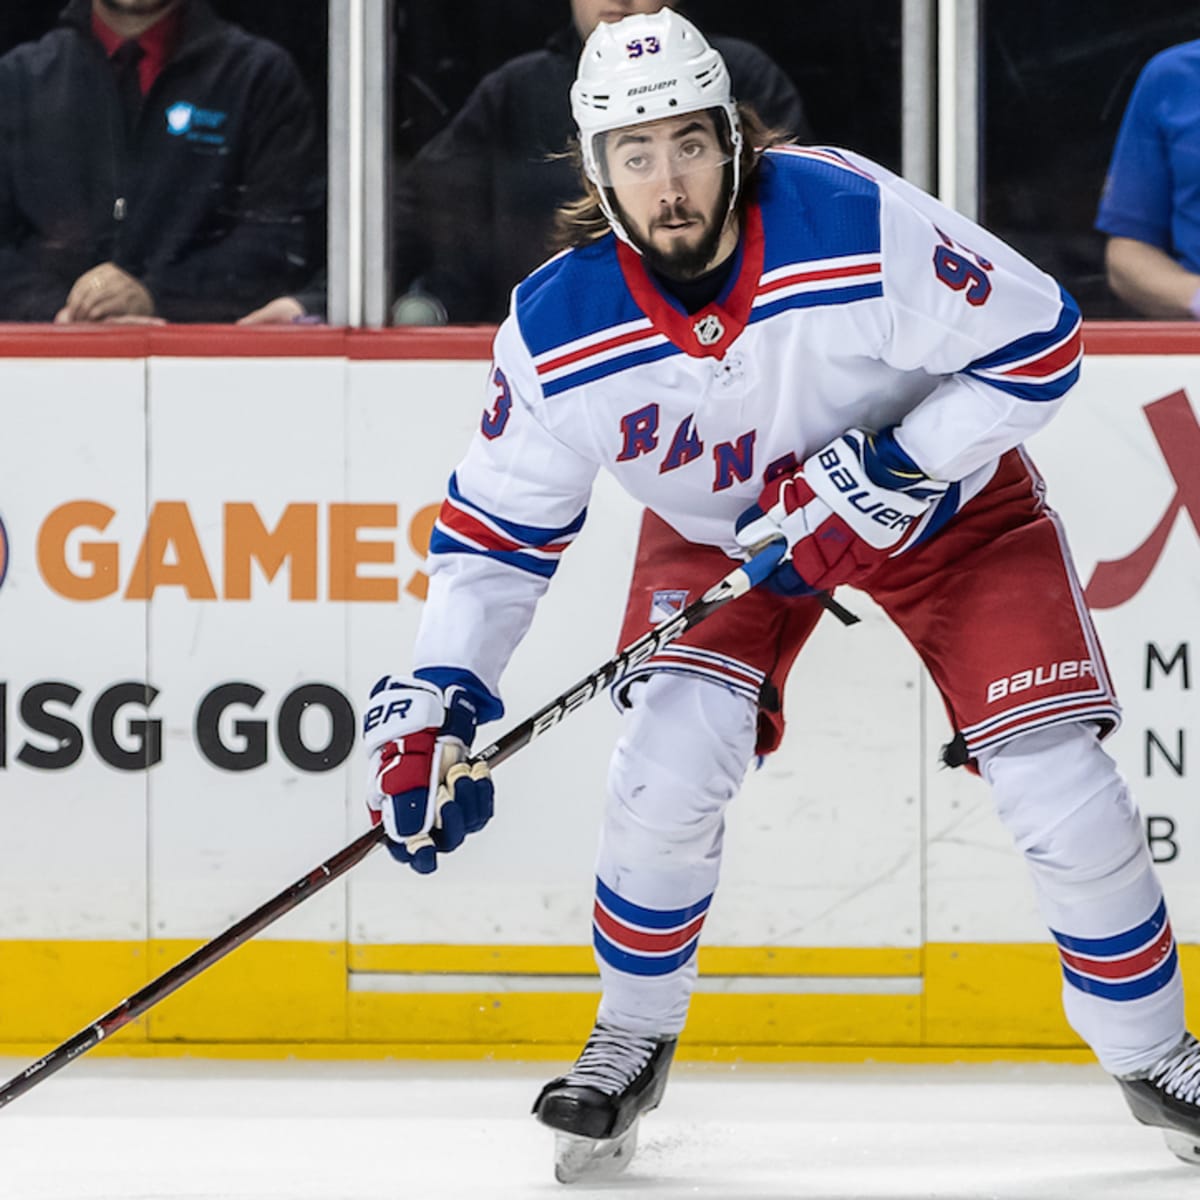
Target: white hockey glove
pixel 418 785
pixel 856 502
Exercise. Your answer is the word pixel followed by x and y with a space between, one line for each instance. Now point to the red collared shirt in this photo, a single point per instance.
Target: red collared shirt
pixel 157 43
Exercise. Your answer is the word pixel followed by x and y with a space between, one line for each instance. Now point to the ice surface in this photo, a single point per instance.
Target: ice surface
pixel 109 1129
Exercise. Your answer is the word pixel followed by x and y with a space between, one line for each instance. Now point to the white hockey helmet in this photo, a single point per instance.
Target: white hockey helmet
pixel 643 68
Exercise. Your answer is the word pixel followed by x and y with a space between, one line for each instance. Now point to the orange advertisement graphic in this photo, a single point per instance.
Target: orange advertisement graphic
pixel 78 563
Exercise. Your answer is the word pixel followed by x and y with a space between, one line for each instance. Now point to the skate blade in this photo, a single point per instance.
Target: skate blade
pixel 577 1158
pixel 1183 1145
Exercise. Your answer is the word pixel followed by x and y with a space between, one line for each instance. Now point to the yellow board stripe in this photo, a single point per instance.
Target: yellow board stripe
pixel 816 962
pixel 976 1002
pixel 563 1052
pixel 714 1019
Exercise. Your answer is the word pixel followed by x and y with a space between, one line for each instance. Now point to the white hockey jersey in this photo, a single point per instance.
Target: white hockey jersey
pixel 856 300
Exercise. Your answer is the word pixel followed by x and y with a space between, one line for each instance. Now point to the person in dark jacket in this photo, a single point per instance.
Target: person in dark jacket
pixel 475 209
pixel 156 162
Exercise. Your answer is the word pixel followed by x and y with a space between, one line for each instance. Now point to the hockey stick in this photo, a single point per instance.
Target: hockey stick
pixel 737 583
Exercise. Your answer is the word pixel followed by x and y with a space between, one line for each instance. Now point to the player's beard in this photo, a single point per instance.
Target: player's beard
pixel 683 261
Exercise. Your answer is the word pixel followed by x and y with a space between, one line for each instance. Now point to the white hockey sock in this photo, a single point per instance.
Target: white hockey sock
pixel 1071 814
pixel 678 763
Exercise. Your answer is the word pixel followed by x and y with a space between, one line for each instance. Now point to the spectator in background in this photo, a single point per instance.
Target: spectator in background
pixel 156 163
pixel 475 209
pixel 305 306
pixel 1150 207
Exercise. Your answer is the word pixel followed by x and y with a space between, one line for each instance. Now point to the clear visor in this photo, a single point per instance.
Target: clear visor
pixel 659 151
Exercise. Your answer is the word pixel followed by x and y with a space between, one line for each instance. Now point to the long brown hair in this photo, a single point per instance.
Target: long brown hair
pixel 582 221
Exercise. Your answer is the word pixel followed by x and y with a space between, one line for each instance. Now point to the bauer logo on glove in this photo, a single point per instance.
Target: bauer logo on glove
pixel 856 502
pixel 846 479
pixel 420 786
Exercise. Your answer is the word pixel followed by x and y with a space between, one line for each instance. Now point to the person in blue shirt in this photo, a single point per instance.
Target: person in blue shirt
pixel 1150 207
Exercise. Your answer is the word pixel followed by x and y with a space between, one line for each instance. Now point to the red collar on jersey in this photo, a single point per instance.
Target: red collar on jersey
pixel 712 330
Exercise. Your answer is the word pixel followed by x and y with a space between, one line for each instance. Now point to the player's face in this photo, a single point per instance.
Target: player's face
pixel 589 13
pixel 670 181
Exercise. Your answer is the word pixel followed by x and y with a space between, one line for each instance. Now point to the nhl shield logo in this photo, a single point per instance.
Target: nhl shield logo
pixel 709 330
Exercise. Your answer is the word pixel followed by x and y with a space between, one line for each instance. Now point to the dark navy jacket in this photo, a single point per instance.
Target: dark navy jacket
pixel 213 200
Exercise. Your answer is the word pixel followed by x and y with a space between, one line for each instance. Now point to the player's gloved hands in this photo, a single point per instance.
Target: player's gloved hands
pixel 418 785
pixel 854 503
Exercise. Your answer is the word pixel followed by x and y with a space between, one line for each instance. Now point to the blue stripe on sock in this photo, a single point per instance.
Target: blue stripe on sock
pixel 1121 943
pixel 640 964
pixel 649 918
pixel 1135 989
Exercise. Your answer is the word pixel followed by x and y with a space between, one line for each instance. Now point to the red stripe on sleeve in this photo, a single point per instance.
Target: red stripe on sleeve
pixel 1061 356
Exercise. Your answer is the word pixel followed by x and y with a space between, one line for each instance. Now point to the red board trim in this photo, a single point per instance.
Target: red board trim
pixel 452 343
pixel 1141 337
pixel 467 342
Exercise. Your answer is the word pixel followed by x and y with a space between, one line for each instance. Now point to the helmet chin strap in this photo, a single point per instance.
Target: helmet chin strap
pixel 615 222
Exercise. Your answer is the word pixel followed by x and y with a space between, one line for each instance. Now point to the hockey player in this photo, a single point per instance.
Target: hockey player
pixel 762 343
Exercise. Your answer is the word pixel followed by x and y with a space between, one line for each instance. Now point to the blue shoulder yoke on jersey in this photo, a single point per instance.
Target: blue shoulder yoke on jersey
pixel 816 205
pixel 821 228
pixel 574 311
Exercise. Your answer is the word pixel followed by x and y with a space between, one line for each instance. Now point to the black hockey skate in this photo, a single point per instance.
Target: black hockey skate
pixel 594 1108
pixel 1168 1096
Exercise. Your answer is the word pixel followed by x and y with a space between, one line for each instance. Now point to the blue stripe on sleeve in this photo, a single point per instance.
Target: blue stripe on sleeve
pixel 1033 391
pixel 442 543
pixel 1028 388
pixel 1029 345
pixel 531 535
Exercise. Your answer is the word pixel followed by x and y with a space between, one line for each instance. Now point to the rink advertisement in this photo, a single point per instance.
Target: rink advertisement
pixel 206 560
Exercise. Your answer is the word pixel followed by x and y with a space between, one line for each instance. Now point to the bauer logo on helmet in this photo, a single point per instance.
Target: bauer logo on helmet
pixel 652 87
